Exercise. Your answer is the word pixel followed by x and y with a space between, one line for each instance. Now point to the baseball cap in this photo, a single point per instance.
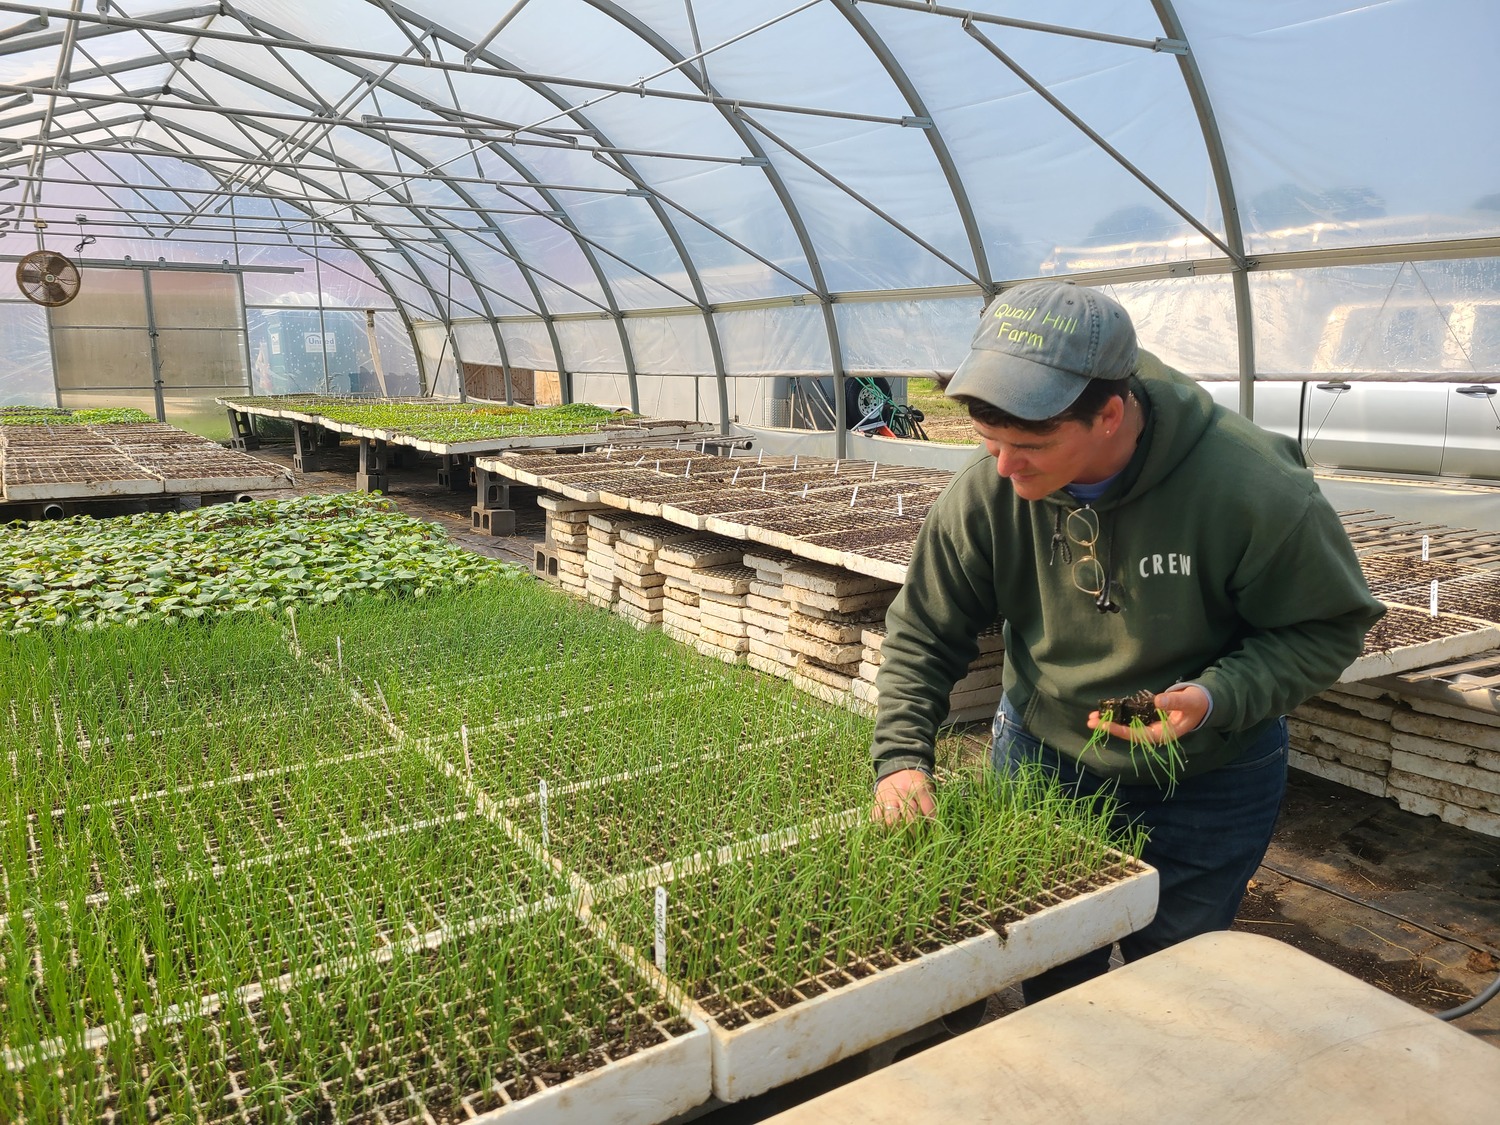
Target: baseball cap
pixel 1040 343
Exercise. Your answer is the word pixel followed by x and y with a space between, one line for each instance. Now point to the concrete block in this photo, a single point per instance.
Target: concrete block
pixel 822 651
pixel 494 521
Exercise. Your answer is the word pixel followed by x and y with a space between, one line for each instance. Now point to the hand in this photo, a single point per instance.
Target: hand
pixel 1185 708
pixel 903 797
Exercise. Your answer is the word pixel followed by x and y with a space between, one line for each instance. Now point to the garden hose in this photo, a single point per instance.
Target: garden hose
pixel 1472 1005
pixel 1463 1009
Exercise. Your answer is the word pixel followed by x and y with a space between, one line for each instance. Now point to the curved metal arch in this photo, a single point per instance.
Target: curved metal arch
pixel 278 35
pixel 479 289
pixel 438 231
pixel 783 194
pixel 538 185
pixel 584 245
pixel 217 142
pixel 244 123
pixel 335 235
pixel 175 127
pixel 887 58
pixel 1234 231
pixel 521 263
pixel 419 214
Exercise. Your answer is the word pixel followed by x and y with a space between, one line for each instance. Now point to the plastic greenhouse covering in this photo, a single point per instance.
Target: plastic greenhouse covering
pixel 681 204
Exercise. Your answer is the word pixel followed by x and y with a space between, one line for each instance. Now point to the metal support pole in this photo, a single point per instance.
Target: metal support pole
pixel 152 335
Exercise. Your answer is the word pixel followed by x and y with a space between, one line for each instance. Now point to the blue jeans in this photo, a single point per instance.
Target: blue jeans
pixel 1205 840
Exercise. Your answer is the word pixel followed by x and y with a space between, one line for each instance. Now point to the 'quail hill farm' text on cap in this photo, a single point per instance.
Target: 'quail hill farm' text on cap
pixel 1039 344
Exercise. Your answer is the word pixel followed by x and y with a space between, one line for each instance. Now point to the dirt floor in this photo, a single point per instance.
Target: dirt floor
pixel 1406 903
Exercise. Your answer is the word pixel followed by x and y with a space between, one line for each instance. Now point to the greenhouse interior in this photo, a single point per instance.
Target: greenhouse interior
pixel 481 485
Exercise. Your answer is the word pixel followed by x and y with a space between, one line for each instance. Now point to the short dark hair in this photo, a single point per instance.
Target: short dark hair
pixel 1085 408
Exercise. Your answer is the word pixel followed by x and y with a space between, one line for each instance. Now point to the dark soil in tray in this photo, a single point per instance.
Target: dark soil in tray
pixel 746 1003
pixel 1405 628
pixel 1467 590
pixel 872 535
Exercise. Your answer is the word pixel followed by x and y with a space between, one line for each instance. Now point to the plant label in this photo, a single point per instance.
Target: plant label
pixel 1432 607
pixel 1426 541
pixel 660 944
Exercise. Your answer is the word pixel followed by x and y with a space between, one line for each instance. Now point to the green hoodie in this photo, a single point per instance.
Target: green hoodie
pixel 1232 569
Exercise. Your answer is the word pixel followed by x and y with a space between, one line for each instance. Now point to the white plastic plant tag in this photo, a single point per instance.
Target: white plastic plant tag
pixel 836 465
pixel 898 503
pixel 541 800
pixel 1432 607
pixel 854 496
pixel 339 641
pixel 874 465
pixel 463 733
pixel 660 944
pixel 1426 542
pixel 805 486
pixel 688 469
pixel 384 706
pixel 795 457
pixel 763 481
pixel 736 479
pixel 759 456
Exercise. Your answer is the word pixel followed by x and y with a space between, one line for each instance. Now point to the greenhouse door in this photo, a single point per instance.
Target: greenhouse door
pixel 164 341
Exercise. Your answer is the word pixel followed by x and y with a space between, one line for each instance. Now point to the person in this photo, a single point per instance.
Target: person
pixel 1132 536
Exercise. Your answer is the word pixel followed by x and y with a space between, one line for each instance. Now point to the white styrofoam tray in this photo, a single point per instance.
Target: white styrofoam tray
pixel 817 1033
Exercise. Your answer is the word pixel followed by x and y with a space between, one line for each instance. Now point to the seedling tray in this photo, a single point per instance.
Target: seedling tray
pixel 62 480
pixel 428 1032
pixel 1407 638
pixel 1468 591
pixel 809 1034
pixel 764 1036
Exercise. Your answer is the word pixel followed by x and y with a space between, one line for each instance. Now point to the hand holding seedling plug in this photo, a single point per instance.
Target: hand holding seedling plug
pixel 903 797
pixel 1180 710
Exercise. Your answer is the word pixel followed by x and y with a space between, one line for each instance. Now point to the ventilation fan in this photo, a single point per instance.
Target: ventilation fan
pixel 47 278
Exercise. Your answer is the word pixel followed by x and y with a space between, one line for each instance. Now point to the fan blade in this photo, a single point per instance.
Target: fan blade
pixel 56 293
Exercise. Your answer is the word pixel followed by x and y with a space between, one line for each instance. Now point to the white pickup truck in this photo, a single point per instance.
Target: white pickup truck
pixel 1405 406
